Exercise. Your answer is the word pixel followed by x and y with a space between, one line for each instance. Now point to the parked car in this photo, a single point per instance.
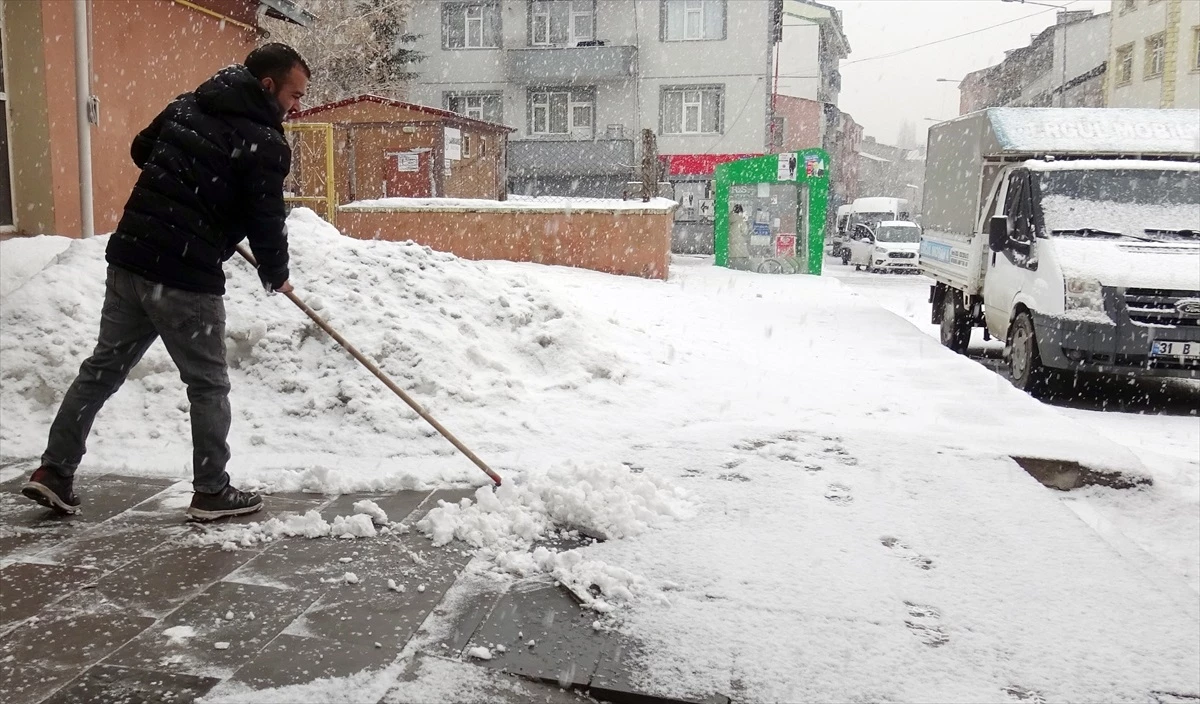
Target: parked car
pixel 892 246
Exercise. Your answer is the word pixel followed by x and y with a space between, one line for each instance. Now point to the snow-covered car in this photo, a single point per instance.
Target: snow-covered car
pixel 892 246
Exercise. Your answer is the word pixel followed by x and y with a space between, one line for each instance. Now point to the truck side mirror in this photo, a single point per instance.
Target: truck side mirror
pixel 998 233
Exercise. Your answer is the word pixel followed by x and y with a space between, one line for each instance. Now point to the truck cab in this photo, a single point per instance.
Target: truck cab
pixel 1081 260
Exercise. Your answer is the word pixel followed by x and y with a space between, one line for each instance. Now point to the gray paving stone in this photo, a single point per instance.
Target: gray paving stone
pixel 101 498
pixel 71 638
pixel 105 684
pixel 28 587
pixel 296 563
pixel 500 688
pixel 159 581
pixel 171 647
pixel 290 659
pixel 566 648
pixel 110 544
pixel 371 611
pixel 22 683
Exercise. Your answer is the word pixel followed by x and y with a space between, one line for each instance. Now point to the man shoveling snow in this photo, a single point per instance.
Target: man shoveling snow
pixel 213 165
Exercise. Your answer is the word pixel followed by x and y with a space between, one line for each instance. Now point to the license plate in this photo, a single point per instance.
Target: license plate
pixel 1183 350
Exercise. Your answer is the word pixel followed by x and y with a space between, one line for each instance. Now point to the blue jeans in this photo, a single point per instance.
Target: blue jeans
pixel 192 327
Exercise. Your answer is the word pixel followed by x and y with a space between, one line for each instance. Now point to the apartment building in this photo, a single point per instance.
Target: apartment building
pixel 580 79
pixel 1063 66
pixel 1154 54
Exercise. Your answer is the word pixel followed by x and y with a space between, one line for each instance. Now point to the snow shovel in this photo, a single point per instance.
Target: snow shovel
pixel 380 375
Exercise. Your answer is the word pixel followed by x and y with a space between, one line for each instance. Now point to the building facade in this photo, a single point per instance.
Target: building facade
pixel 132 80
pixel 802 123
pixel 1154 54
pixel 1063 66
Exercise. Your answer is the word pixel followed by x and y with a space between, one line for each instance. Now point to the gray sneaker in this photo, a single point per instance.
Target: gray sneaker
pixel 223 504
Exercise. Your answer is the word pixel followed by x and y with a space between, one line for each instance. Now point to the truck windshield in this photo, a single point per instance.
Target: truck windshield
pixel 898 233
pixel 1138 203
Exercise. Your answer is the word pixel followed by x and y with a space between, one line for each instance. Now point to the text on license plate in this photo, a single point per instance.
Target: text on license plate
pixel 1186 350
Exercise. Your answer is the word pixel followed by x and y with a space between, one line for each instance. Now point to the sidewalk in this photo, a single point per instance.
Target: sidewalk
pixel 114 605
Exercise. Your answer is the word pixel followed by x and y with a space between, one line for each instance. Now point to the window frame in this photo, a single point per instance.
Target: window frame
pixel 701 8
pixel 577 98
pixel 684 103
pixel 1196 49
pixel 1159 42
pixel 1128 51
pixel 541 18
pixel 449 98
pixel 466 6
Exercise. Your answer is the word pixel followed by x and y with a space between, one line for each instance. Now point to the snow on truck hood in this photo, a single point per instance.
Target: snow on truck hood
pixel 1131 264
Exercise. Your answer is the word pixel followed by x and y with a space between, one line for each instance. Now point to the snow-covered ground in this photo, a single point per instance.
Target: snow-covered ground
pixel 806 497
pixel 23 257
pixel 1161 425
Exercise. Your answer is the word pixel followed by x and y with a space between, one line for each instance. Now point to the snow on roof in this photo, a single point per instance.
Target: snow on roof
pixel 872 157
pixel 514 203
pixel 897 223
pixel 1109 164
pixel 1096 130
pixel 878 204
pixel 424 109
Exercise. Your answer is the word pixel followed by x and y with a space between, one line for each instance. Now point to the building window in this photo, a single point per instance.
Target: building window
pixel 1156 55
pixel 6 193
pixel 477 106
pixel 691 110
pixel 1124 65
pixel 566 112
pixel 1128 6
pixel 1196 48
pixel 692 20
pixel 470 25
pixel 561 22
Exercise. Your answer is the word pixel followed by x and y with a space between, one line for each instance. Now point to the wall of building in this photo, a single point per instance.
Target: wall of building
pixel 138 66
pixel 1187 67
pixel 617 242
pixel 740 64
pixel 1133 27
pixel 365 132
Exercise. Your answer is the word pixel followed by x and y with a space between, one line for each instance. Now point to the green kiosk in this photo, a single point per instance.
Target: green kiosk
pixel 770 212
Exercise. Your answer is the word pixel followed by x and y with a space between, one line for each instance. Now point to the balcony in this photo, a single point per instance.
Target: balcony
pixel 604 157
pixel 569 65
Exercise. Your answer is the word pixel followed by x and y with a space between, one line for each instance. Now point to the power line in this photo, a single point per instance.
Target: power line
pixel 957 36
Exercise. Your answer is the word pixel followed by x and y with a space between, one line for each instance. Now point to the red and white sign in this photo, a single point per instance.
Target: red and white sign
pixel 698 164
pixel 785 245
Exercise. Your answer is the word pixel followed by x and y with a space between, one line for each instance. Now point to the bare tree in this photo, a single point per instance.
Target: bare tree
pixel 355 47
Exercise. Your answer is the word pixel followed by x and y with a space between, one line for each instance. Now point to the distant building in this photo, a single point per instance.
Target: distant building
pixel 803 123
pixel 891 172
pixel 1154 54
pixel 1063 66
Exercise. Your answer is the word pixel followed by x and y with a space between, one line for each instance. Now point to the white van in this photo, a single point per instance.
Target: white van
pixel 892 246
pixel 1071 234
pixel 874 210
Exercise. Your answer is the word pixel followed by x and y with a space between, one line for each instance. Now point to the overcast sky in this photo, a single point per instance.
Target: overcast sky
pixel 880 94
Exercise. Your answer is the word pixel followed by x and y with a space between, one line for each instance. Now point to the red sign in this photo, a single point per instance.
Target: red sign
pixel 785 245
pixel 698 164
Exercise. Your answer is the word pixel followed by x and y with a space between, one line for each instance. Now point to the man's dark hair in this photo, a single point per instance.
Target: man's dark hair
pixel 275 61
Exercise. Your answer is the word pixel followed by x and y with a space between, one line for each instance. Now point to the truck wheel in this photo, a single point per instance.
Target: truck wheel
pixel 845 257
pixel 956 327
pixel 1024 361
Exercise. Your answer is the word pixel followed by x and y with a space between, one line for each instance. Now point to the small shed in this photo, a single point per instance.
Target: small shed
pixel 384 148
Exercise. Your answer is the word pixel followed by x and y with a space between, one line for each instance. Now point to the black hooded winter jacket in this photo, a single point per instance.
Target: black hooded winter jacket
pixel 213 165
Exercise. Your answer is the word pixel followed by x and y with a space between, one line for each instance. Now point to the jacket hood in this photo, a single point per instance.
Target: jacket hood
pixel 235 91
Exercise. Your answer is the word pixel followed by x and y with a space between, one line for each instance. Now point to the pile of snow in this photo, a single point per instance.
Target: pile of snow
pixel 467 342
pixel 289 525
pixel 21 258
pixel 524 204
pixel 600 500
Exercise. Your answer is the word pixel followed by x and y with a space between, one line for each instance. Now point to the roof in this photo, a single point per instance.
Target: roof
pixel 436 112
pixel 898 223
pixel 1096 130
pixel 872 157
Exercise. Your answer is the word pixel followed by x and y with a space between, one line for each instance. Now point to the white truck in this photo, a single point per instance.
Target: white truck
pixel 1071 234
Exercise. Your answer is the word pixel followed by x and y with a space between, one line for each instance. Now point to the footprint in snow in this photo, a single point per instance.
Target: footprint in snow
pixel 923 621
pixel 906 552
pixel 1024 694
pixel 733 477
pixel 839 494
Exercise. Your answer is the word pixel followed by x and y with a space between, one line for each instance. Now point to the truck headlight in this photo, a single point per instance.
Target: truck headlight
pixel 1084 294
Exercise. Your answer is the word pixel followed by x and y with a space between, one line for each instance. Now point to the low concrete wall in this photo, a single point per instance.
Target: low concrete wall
pixel 625 241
